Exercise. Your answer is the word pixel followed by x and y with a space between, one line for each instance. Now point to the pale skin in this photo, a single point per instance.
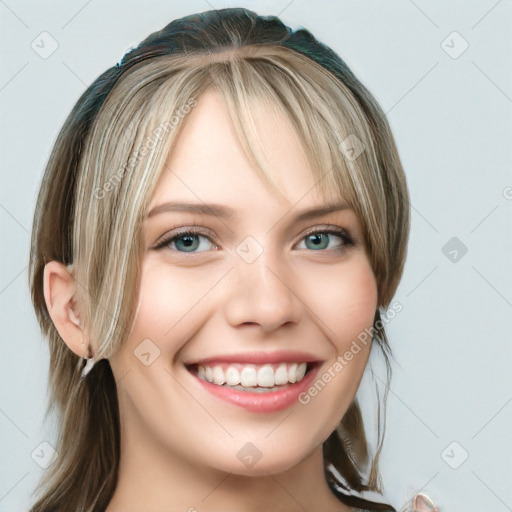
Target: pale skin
pixel 179 443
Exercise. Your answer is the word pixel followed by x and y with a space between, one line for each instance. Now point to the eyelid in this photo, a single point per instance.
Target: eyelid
pixel 334 229
pixel 183 230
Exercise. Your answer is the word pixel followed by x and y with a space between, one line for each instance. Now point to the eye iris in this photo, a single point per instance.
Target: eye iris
pixel 317 239
pixel 191 242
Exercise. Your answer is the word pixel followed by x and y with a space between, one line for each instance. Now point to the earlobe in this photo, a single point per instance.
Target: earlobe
pixel 59 293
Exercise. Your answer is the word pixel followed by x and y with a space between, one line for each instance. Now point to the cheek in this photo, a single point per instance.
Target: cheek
pixel 345 300
pixel 170 303
pixel 169 312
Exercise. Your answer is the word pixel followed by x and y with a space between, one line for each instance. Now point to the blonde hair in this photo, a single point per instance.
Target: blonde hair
pixel 98 184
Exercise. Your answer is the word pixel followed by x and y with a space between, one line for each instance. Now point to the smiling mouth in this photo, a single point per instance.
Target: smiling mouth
pixel 253 378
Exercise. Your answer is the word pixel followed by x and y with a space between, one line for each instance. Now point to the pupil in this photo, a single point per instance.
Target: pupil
pixel 188 241
pixel 318 239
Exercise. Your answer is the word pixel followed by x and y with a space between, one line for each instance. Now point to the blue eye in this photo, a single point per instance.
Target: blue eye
pixel 192 240
pixel 187 241
pixel 319 240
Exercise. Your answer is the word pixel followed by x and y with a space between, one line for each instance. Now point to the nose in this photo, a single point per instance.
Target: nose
pixel 262 293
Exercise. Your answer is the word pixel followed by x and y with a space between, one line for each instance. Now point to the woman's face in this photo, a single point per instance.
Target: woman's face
pixel 256 296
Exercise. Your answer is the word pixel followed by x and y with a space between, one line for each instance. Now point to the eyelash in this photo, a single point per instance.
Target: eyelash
pixel 347 240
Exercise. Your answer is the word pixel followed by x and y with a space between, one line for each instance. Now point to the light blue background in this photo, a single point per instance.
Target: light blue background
pixel 452 119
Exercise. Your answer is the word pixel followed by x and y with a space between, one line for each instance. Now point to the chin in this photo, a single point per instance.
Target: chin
pixel 249 461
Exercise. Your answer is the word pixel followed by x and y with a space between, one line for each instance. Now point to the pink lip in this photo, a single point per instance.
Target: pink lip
pixel 268 402
pixel 259 358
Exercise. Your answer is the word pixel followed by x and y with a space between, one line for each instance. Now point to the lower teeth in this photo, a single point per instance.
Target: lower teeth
pixel 255 390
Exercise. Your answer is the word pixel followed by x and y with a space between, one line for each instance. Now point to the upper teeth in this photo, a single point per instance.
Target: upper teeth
pixel 251 375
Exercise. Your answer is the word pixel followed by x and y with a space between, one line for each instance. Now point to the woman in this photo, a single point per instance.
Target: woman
pixel 222 222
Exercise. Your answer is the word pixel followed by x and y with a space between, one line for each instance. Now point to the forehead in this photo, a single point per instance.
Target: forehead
pixel 208 160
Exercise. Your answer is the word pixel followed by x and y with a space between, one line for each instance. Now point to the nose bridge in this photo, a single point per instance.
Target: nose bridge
pixel 262 293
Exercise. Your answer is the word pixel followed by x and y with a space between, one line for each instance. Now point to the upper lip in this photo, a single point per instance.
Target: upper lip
pixel 280 356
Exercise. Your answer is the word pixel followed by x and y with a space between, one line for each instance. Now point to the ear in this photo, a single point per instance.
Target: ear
pixel 59 294
pixel 422 503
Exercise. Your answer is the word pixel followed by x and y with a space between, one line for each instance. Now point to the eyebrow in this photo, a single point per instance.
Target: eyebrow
pixel 224 212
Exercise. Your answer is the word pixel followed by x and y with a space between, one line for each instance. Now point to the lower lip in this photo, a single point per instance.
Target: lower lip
pixel 270 401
